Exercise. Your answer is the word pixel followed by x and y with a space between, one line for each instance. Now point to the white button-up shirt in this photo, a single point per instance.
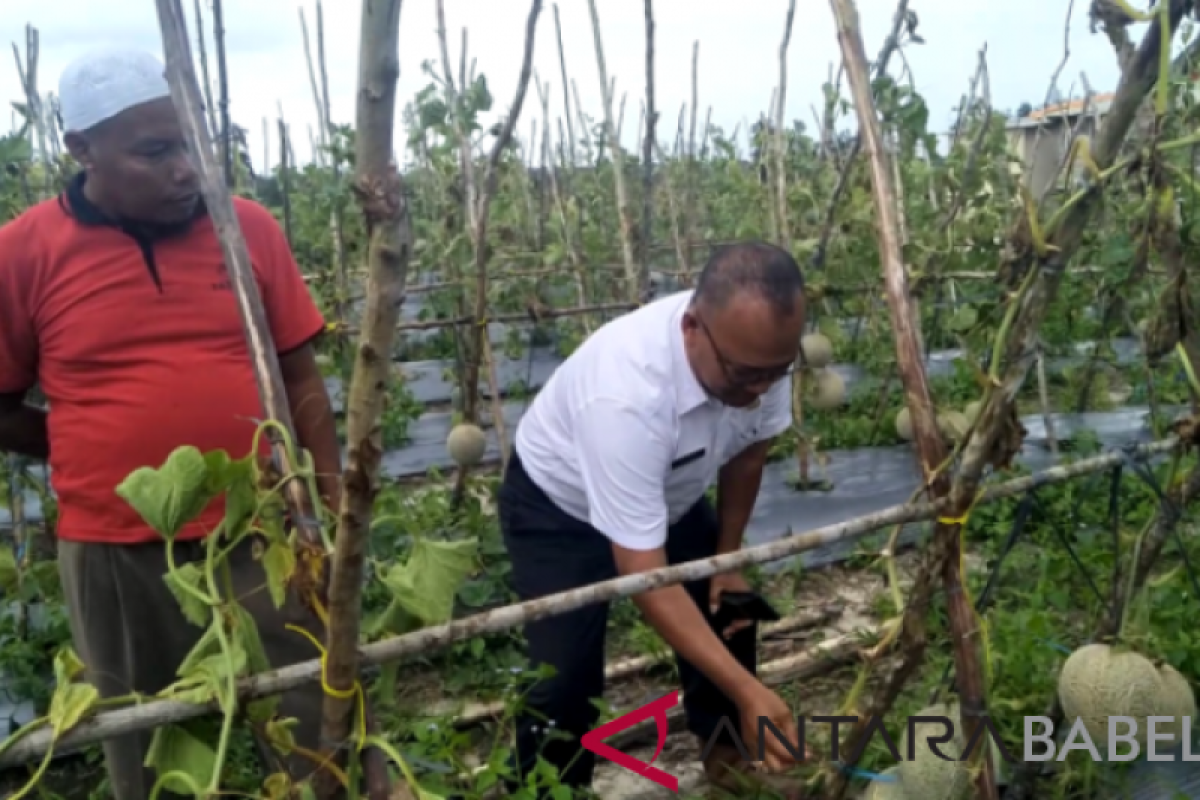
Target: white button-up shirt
pixel 624 437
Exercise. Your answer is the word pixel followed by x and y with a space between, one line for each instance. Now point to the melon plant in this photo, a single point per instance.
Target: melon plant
pixel 829 390
pixel 466 444
pixel 817 349
pixel 1099 681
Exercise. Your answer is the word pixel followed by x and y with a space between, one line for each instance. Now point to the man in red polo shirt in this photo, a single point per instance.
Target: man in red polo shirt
pixel 114 298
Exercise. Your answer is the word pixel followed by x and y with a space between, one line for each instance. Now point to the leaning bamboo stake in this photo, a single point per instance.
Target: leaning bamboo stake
pixel 226 129
pixel 944 553
pixel 637 280
pixel 210 109
pixel 379 190
pixel 185 93
pixel 647 237
pixel 34 741
pixel 322 130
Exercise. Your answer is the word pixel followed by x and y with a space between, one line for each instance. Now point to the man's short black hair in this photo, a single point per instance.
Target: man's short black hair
pixel 763 269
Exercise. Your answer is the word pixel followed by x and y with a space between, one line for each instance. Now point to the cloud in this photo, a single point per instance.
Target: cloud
pixel 738 53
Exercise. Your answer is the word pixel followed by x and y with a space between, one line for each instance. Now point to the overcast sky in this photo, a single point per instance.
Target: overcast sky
pixel 739 44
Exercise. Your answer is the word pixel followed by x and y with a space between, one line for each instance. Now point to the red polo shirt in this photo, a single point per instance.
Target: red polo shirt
pixel 137 344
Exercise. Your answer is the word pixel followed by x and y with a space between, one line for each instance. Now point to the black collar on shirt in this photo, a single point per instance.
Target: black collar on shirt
pixel 76 205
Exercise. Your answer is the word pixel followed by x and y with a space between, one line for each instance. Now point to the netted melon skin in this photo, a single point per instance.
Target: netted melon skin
pixel 830 391
pixel 1177 700
pixel 1098 682
pixel 818 350
pixel 927 775
pixel 466 444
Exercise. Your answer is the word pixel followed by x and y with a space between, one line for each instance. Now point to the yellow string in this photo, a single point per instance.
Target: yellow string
pixel 355 690
pixel 985 638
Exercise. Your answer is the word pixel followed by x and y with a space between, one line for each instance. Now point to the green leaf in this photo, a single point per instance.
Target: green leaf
pixel 194 608
pixel 207 645
pixel 279 561
pixel 426 583
pixel 240 497
pixel 175 749
pixel 69 704
pixel 10 576
pixel 963 319
pixel 67 666
pixel 173 495
pixel 208 679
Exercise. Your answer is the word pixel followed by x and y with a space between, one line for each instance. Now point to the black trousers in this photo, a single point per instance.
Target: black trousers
pixel 553 552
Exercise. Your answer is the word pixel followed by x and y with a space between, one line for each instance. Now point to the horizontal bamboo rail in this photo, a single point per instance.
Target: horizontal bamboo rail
pixel 32 744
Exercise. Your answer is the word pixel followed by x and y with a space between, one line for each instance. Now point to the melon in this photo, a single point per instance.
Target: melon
pixel 927 775
pixel 887 787
pixel 1098 681
pixel 1176 699
pixel 818 350
pixel 904 426
pixel 953 425
pixel 829 391
pixel 324 360
pixel 466 444
pixel 971 412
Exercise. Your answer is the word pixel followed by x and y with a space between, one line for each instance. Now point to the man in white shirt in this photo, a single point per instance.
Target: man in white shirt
pixel 609 474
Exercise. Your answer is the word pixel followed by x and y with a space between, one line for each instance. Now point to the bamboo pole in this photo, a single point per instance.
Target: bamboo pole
pixel 379 190
pixel 944 555
pixel 34 743
pixel 637 281
pixel 647 237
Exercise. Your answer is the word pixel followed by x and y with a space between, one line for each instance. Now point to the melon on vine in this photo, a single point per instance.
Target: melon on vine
pixel 971 411
pixel 817 349
pixel 829 390
pixel 1099 681
pixel 953 425
pixel 466 444
pixel 904 425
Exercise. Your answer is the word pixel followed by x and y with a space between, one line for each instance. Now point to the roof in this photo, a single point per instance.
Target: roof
pixel 1070 108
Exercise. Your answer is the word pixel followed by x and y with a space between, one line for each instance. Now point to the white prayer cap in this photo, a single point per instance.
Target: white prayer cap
pixel 103 83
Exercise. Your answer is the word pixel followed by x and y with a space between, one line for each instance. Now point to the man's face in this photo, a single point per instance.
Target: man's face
pixel 139 160
pixel 741 351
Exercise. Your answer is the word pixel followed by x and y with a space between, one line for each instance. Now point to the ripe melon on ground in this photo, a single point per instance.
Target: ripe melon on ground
pixel 926 775
pixel 466 444
pixel 904 426
pixel 829 391
pixel 818 350
pixel 1099 681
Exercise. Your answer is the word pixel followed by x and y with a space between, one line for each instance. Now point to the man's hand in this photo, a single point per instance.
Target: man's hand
pixel 762 703
pixel 728 582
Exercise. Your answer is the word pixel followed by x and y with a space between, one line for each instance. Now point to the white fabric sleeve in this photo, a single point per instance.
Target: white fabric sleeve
pixel 776 410
pixel 623 459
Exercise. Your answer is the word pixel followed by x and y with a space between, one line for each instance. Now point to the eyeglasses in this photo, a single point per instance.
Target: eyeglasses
pixel 742 375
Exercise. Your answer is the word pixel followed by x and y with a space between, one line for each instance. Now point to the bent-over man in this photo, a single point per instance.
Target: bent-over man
pixel 114 298
pixel 611 466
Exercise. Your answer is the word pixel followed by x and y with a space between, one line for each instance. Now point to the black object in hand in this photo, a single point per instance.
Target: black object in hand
pixel 736 606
